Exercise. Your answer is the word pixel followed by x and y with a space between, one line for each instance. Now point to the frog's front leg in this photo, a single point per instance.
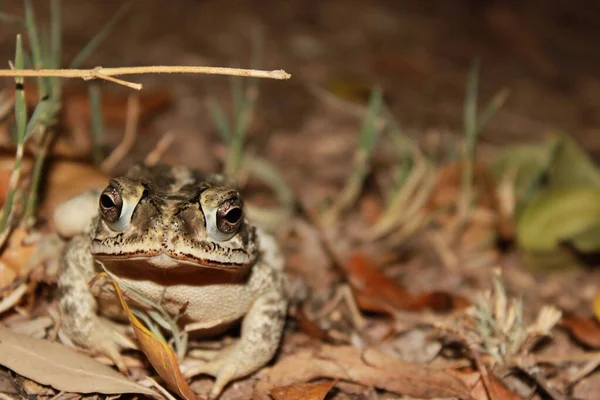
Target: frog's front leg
pixel 261 332
pixel 79 319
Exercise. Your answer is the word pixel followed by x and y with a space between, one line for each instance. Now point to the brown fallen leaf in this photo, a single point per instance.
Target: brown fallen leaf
pixel 446 195
pixel 306 325
pixel 472 379
pixel 158 352
pixel 366 367
pixel 596 306
pixel 14 257
pixel 584 329
pixel 61 367
pixel 303 391
pixel 65 179
pixel 377 293
pixel 7 164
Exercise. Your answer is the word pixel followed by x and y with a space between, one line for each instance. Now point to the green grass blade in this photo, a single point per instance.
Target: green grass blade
pixel 55 33
pixel 39 112
pixel 36 48
pixel 220 119
pixel 20 104
pixel 490 109
pixel 93 44
pixel 236 83
pixel 470 110
pixel 21 121
pixel 97 125
pixel 369 131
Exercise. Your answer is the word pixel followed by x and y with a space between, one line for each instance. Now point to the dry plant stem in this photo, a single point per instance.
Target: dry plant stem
pixel 342 294
pixel 535 374
pixel 159 150
pixel 131 125
pixel 485 378
pixel 32 198
pixel 588 368
pixel 396 209
pixel 13 182
pixel 109 73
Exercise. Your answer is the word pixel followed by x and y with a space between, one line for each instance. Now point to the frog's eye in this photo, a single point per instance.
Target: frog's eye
pixel 229 216
pixel 111 204
pixel 115 210
pixel 226 220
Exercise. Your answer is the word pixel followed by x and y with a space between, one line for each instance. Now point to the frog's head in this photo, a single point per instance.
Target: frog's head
pixel 169 217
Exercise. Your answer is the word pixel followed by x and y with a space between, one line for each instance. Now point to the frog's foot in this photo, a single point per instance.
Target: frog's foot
pixel 105 338
pixel 261 331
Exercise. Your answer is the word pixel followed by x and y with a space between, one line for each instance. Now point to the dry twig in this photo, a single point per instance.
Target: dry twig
pixel 110 73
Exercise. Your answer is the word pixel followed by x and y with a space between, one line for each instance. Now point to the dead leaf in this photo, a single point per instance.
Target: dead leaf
pixel 596 305
pixel 472 379
pixel 7 164
pixel 366 367
pixel 14 256
pixel 584 329
pixel 376 292
pixel 303 391
pixel 66 179
pixel 61 367
pixel 307 326
pixel 158 352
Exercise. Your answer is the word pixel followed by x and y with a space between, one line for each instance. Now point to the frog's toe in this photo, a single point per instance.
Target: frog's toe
pixel 190 368
pixel 104 338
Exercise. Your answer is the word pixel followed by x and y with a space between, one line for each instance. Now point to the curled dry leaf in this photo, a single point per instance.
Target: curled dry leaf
pixel 584 329
pixel 62 368
pixel 596 306
pixel 366 367
pixel 378 293
pixel 158 352
pixel 303 391
pixel 472 379
pixel 14 257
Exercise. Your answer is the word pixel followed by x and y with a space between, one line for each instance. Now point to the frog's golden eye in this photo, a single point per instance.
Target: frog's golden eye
pixel 111 204
pixel 229 216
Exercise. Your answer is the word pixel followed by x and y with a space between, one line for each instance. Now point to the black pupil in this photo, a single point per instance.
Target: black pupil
pixel 233 215
pixel 106 201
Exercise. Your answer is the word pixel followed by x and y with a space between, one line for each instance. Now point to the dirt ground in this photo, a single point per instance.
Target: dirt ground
pixel 419 53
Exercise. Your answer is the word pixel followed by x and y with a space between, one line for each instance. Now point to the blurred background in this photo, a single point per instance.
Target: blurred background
pixel 419 52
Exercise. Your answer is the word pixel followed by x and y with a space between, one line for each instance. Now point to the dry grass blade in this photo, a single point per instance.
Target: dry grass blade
pixel 373 125
pixel 159 150
pixel 133 117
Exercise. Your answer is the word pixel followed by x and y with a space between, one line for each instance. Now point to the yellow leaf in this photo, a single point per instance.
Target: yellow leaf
pixel 596 305
pixel 158 352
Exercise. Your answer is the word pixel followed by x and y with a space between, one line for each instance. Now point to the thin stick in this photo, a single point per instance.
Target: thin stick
pixel 108 73
pixel 131 124
pixel 160 149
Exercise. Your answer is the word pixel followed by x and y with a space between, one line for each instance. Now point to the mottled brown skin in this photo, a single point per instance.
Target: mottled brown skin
pixel 174 242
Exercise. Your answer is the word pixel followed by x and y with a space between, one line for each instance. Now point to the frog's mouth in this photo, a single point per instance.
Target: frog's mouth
pixel 163 260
